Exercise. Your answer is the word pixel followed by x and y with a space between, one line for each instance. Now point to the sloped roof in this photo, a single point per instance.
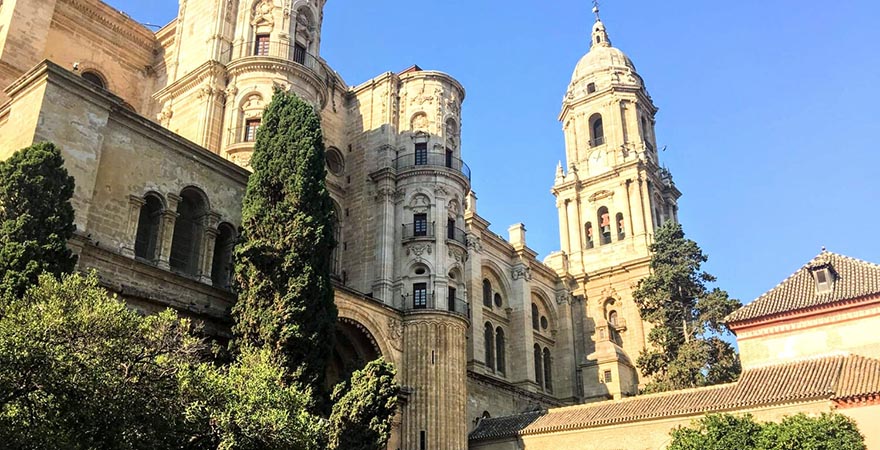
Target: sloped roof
pixel 854 278
pixel 828 378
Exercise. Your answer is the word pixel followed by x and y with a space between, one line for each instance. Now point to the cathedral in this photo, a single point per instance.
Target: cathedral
pixel 158 128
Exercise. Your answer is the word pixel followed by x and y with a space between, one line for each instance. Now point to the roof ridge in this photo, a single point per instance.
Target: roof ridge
pixel 641 397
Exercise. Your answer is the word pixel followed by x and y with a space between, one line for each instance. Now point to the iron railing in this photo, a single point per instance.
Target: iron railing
pixel 456 234
pixel 432 160
pixel 418 230
pixel 271 49
pixel 242 134
pixel 597 141
pixel 456 305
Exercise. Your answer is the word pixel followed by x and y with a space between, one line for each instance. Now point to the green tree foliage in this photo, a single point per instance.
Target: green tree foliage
pixel 283 255
pixel 248 406
pixel 830 431
pixel 826 432
pixel 363 410
pixel 687 316
pixel 80 371
pixel 36 218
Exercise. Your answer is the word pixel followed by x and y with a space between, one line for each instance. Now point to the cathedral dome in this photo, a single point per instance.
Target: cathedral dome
pixel 603 65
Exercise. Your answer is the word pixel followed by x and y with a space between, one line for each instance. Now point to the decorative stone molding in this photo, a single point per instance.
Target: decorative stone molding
pixel 521 272
pixel 395 333
pixel 600 195
pixel 563 298
pixel 417 250
pixel 474 243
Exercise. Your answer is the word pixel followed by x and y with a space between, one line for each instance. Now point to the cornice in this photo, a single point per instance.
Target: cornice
pixel 190 81
pixel 98 11
pixel 269 64
pixel 843 311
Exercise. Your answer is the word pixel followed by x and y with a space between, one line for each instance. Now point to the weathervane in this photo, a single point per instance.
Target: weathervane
pixel 596 8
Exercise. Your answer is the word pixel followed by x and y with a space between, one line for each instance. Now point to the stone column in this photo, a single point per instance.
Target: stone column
pixel 134 212
pixel 166 231
pixel 563 226
pixel 385 238
pixel 209 238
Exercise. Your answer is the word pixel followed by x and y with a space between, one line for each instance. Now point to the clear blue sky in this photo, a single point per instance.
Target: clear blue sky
pixel 769 110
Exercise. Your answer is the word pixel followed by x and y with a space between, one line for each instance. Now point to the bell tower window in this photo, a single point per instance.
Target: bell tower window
pixel 597 132
pixel 588 232
pixel 621 227
pixel 604 225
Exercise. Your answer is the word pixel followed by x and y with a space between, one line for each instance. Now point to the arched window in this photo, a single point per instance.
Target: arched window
pixel 146 240
pixel 221 266
pixel 597 132
pixel 612 318
pixel 591 87
pixel 588 232
pixel 621 226
pixel 186 242
pixel 536 320
pixel 95 78
pixel 604 225
pixel 548 370
pixel 489 337
pixel 487 293
pixel 539 366
pixel 499 350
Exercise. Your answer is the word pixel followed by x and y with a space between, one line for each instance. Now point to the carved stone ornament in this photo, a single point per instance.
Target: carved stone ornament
pixel 521 272
pixel 563 298
pixel 420 122
pixel 165 116
pixel 417 250
pixel 474 243
pixel 384 194
pixel 395 333
pixel 263 13
pixel 600 195
pixel 421 98
pixel 608 293
pixel 457 255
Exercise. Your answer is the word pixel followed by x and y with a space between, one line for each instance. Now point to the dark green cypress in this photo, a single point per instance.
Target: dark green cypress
pixel 283 257
pixel 364 408
pixel 36 218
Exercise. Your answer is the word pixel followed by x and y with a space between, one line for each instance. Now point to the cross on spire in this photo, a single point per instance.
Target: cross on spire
pixel 596 8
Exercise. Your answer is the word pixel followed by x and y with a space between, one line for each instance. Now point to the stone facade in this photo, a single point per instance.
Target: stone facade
pixel 158 130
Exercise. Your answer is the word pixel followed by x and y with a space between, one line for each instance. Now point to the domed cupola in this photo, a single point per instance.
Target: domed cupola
pixel 602 67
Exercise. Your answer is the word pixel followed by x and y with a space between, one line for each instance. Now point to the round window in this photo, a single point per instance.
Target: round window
pixel 335 162
pixel 420 271
pixel 544 323
pixel 498 301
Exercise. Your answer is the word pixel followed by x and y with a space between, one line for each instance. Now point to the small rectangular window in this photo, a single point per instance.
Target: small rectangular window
pixel 421 156
pixel 450 229
pixel 451 300
pixel 420 224
pixel 423 440
pixel 299 54
pixel 261 45
pixel 820 277
pixel 449 157
pixel 250 129
pixel 607 376
pixel 420 295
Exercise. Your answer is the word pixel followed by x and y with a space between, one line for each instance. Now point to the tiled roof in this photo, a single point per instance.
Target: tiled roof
pixel 499 427
pixel 854 278
pixel 828 377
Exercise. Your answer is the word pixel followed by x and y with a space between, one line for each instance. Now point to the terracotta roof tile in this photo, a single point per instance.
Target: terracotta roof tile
pixel 854 278
pixel 826 377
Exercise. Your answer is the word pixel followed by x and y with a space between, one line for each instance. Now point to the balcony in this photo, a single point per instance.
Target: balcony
pixel 432 161
pixel 272 49
pixel 456 235
pixel 597 141
pixel 456 306
pixel 413 231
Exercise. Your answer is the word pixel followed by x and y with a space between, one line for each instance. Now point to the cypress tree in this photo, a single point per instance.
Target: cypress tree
pixel 36 218
pixel 687 317
pixel 282 269
pixel 363 409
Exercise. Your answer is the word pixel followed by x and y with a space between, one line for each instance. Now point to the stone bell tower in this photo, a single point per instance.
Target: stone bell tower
pixel 611 195
pixel 224 60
